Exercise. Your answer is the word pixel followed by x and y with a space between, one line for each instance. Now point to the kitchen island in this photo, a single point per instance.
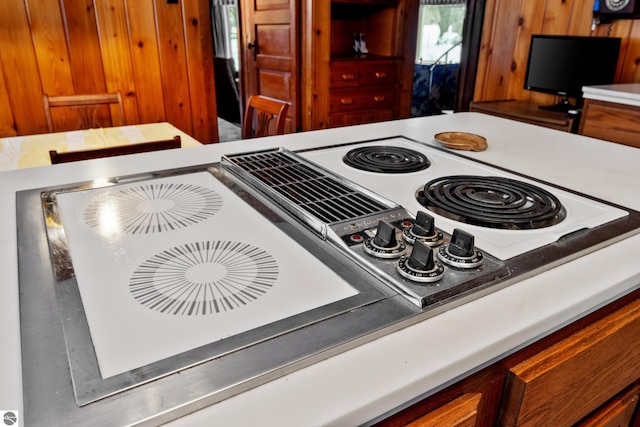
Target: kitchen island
pixel 369 381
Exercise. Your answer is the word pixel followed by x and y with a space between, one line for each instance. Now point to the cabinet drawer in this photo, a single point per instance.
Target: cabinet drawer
pixel 617 412
pixel 344 74
pixel 611 122
pixel 378 73
pixel 361 99
pixel 360 117
pixel 562 384
pixel 461 412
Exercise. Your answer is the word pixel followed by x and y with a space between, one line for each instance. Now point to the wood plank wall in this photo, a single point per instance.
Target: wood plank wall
pixel 157 53
pixel 507 30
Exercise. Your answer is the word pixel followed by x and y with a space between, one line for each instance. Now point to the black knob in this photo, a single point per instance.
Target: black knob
pixel 424 225
pixel 421 257
pixel 462 244
pixel 385 236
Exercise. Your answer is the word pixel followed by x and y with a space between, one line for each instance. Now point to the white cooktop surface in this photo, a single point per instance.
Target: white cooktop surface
pixel 503 244
pixel 171 264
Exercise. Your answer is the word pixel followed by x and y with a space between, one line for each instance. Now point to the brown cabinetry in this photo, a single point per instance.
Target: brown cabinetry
pixel 586 374
pixel 349 87
pixel 461 412
pixel 611 121
pixel 362 91
pixel 619 411
pixel 567 381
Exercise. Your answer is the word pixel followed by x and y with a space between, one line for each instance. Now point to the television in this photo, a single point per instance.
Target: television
pixel 562 65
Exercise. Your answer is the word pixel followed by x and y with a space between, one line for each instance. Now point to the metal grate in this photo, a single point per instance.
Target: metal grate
pixel 320 195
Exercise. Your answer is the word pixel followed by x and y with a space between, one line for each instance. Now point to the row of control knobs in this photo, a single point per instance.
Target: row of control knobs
pixel 421 265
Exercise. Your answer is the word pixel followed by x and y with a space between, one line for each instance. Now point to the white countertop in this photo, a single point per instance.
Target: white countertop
pixel 361 384
pixel 625 93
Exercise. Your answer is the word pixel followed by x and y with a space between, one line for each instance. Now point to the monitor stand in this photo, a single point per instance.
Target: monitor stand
pixel 563 106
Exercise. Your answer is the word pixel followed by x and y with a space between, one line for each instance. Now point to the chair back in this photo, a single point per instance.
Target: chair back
pixel 143 147
pixel 265 110
pixel 76 112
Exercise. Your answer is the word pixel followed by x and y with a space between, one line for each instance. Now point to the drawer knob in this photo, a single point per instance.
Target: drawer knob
pixel 381 75
pixel 378 98
pixel 348 77
pixel 346 101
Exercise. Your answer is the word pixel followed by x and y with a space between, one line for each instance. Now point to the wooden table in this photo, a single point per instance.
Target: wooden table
pixel 19 152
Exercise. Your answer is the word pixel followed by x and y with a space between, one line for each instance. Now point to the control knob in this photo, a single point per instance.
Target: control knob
pixel 423 230
pixel 385 243
pixel 461 251
pixel 420 266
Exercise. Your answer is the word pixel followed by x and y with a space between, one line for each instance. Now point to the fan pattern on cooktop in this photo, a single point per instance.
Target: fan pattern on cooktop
pixel 153 208
pixel 204 278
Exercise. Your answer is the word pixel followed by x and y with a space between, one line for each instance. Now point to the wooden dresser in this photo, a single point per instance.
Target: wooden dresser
pixel 362 90
pixel 349 87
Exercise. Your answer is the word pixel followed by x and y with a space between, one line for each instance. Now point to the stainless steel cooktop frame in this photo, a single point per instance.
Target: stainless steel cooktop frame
pixel 61 377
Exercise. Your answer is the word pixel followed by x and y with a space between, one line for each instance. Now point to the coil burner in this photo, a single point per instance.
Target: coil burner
pixel 490 201
pixel 386 159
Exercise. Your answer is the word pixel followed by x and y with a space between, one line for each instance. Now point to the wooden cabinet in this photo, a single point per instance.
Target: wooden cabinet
pixel 346 87
pixel 619 411
pixel 611 121
pixel 585 374
pixel 461 412
pixel 527 112
pixel 362 91
pixel 567 381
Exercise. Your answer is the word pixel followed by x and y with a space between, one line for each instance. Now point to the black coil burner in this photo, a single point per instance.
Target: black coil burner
pixel 490 201
pixel 386 159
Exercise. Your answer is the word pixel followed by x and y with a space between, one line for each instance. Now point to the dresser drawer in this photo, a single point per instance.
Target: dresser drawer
pixel 344 74
pixel 361 98
pixel 378 73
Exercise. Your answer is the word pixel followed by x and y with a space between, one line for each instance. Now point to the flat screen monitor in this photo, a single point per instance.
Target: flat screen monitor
pixel 562 65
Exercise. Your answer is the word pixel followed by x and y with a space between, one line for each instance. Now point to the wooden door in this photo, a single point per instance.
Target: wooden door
pixel 270 53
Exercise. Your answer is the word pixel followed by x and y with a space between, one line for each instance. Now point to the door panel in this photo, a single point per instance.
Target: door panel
pixel 275 84
pixel 269 53
pixel 271 4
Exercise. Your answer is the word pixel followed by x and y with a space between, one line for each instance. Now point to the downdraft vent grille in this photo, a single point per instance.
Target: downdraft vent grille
pixel 309 189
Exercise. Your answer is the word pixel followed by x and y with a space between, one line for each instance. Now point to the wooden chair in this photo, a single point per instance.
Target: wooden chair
pixel 143 147
pixel 90 111
pixel 265 109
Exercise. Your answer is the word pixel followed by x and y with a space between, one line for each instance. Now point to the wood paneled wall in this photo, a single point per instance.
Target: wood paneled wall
pixel 157 53
pixel 506 35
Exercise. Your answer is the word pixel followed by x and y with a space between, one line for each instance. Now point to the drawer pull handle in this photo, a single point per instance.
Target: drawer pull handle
pixel 378 98
pixel 348 77
pixel 381 75
pixel 346 101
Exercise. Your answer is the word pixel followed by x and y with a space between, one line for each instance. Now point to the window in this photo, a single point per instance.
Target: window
pixel 224 16
pixel 440 27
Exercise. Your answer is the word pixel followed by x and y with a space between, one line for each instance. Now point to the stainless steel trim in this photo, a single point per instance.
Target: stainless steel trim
pixel 60 369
